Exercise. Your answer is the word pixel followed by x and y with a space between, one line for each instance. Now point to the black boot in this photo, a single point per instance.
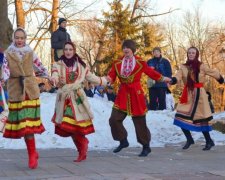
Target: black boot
pixel 209 142
pixel 123 144
pixel 208 146
pixel 145 151
pixel 190 140
pixel 188 144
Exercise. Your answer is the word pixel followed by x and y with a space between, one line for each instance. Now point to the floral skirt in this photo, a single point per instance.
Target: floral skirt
pixel 24 119
pixel 70 126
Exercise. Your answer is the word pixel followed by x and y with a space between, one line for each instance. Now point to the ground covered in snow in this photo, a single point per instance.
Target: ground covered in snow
pixel 160 123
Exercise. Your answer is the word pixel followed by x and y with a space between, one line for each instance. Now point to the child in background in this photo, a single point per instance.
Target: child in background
pixel 169 100
pixel 100 93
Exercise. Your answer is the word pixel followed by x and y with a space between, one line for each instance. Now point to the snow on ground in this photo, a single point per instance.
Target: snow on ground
pixel 219 115
pixel 160 123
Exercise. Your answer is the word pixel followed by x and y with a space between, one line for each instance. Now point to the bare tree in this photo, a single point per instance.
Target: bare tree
pixel 91 45
pixel 40 18
pixel 6 26
pixel 20 14
pixel 195 30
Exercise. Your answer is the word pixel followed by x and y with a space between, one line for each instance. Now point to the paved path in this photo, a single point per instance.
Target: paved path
pixel 169 163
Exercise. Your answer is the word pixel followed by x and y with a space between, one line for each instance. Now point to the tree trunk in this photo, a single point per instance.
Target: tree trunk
pixel 53 25
pixel 20 15
pixel 6 26
pixel 136 3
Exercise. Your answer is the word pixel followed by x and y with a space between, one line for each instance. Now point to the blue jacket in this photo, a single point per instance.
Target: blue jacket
pixel 162 66
pixel 1 59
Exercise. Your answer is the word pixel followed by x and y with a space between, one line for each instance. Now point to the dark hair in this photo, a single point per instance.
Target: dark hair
pixel 19 29
pixel 76 56
pixel 157 49
pixel 70 43
pixel 41 84
pixel 61 20
pixel 110 87
pixel 129 44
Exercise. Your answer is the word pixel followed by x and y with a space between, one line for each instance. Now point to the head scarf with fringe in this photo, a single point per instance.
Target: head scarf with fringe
pixel 194 69
pixel 20 51
pixel 76 58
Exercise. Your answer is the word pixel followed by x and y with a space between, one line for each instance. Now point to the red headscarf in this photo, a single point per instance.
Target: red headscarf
pixel 194 66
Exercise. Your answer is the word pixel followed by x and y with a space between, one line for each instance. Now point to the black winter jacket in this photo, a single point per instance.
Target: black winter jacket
pixel 59 38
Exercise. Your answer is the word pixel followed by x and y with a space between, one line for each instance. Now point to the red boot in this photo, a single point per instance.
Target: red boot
pixel 32 153
pixel 81 143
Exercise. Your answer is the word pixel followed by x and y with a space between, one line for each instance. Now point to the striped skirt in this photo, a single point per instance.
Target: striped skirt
pixel 24 119
pixel 189 125
pixel 70 126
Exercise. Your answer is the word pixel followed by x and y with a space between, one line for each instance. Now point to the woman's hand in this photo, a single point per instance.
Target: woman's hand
pixel 109 80
pixel 52 81
pixel 167 79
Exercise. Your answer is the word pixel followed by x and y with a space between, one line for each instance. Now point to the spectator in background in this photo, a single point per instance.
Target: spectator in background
pixel 53 90
pixel 89 89
pixel 210 102
pixel 159 89
pixel 170 103
pixel 1 56
pixel 42 87
pixel 59 38
pixel 110 94
pixel 100 93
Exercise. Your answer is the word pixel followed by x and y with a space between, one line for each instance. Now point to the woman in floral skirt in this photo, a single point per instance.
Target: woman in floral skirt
pixel 73 117
pixel 24 105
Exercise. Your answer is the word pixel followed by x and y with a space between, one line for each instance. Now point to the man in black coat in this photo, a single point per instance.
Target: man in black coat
pixel 59 38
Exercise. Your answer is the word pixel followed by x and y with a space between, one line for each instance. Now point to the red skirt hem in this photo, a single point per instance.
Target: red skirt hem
pixel 23 132
pixel 64 130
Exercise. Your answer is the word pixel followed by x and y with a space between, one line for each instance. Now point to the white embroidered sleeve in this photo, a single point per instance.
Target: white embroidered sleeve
pixel 5 70
pixel 39 69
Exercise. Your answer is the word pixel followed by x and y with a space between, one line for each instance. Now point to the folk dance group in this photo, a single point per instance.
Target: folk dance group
pixel 73 117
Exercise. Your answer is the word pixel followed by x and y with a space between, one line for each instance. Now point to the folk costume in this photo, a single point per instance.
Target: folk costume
pixel 19 68
pixel 130 99
pixel 193 111
pixel 73 116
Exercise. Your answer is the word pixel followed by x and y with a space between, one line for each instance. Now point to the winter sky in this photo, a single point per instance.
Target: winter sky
pixel 212 10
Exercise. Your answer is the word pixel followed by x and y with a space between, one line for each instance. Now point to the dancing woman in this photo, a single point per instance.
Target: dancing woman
pixel 24 105
pixel 193 111
pixel 73 116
